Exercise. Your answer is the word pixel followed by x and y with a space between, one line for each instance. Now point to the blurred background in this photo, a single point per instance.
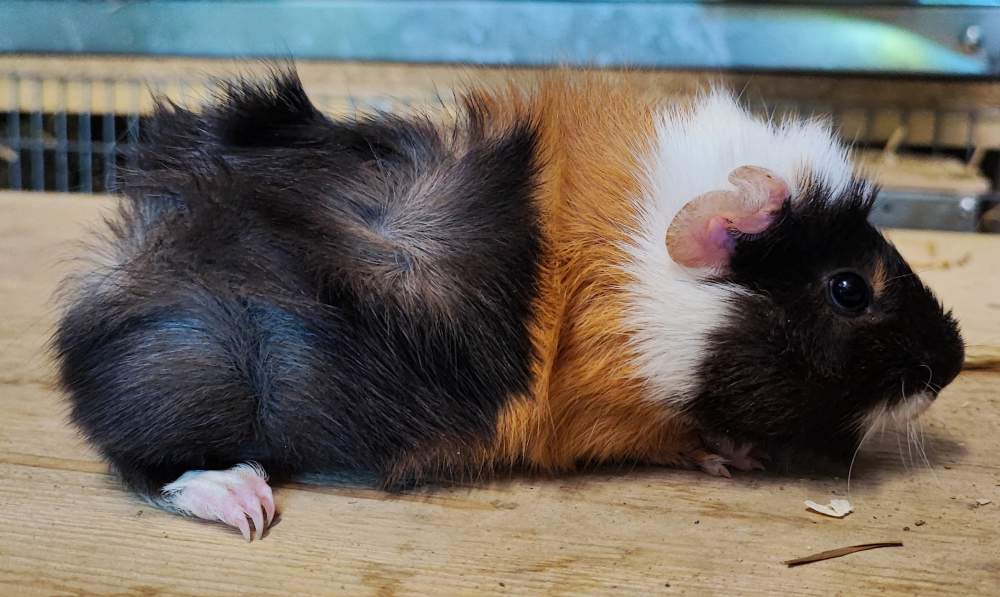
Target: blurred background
pixel 915 84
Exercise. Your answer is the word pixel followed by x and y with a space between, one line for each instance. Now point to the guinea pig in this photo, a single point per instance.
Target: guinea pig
pixel 551 275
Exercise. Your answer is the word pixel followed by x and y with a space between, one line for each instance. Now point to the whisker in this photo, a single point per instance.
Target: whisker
pixel 911 274
pixel 895 421
pixel 899 449
pixel 850 468
pixel 919 426
pixel 930 377
pixel 910 441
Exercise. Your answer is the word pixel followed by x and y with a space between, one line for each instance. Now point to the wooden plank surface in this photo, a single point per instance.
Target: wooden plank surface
pixel 67 528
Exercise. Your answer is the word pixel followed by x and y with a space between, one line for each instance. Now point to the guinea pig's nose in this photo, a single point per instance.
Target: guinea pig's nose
pixel 948 373
pixel 945 366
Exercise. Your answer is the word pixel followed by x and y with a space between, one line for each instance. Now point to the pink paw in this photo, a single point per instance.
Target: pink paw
pixel 234 497
pixel 744 457
pixel 714 465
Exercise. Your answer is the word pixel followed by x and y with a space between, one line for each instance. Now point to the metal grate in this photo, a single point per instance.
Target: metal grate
pixel 73 134
pixel 70 133
pixel 61 150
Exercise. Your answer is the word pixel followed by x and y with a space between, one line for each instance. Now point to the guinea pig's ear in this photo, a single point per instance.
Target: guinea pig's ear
pixel 704 231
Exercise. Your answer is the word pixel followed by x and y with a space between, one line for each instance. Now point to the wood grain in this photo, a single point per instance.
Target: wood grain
pixel 68 529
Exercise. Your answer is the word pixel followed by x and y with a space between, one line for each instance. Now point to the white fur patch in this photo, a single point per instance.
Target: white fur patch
pixel 670 314
pixel 671 311
pixel 881 417
pixel 699 146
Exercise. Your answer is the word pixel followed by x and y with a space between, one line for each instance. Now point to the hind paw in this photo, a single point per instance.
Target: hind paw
pixel 236 497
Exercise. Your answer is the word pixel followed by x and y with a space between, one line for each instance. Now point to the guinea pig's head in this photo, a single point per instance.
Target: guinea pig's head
pixel 804 325
pixel 829 332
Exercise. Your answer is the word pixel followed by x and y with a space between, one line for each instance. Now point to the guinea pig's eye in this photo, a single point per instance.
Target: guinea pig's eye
pixel 848 292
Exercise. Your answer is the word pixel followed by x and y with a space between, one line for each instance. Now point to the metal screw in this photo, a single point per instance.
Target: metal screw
pixel 972 39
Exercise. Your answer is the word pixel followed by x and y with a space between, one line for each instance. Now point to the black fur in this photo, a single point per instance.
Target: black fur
pixel 792 372
pixel 308 294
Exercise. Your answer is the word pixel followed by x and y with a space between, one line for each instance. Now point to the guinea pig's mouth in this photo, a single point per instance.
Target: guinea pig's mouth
pixel 896 414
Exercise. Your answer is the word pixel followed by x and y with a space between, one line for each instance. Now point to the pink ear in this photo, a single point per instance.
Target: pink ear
pixel 702 233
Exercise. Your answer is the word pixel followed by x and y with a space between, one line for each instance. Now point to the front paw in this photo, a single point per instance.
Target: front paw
pixel 721 453
pixel 713 464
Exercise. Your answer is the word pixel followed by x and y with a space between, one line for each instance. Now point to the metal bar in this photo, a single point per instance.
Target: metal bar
pixel 911 209
pixel 38 141
pixel 907 38
pixel 14 133
pixel 85 139
pixel 970 138
pixel 108 140
pixel 62 141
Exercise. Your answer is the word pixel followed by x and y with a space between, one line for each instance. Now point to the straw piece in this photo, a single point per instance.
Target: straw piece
pixel 840 552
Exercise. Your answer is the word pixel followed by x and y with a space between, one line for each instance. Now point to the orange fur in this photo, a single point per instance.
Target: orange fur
pixel 587 403
pixel 880 278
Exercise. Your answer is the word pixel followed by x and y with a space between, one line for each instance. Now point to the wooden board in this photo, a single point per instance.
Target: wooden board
pixel 67 528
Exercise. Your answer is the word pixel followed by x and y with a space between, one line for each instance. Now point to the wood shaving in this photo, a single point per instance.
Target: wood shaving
pixel 835 509
pixel 840 552
pixel 983 501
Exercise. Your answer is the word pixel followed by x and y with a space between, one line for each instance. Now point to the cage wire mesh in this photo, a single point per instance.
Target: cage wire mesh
pixel 74 133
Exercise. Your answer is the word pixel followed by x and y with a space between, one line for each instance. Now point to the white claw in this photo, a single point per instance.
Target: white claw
pixel 715 465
